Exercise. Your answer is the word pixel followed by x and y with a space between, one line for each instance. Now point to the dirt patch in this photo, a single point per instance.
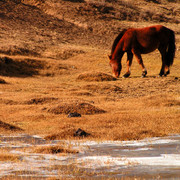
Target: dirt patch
pixel 43 100
pixel 81 108
pixel 7 126
pixel 98 76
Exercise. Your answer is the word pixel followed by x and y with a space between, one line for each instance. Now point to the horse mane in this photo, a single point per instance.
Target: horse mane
pixel 117 40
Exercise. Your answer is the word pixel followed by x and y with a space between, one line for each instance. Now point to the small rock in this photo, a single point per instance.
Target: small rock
pixel 81 133
pixel 2 81
pixel 75 114
pixel 176 78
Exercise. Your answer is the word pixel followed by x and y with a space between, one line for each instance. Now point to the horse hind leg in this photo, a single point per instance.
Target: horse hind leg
pixel 129 62
pixel 164 68
pixel 167 71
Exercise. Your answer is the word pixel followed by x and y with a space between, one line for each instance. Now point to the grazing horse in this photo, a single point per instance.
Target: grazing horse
pixel 142 41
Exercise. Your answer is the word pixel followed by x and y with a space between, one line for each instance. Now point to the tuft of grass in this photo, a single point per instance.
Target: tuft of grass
pixel 98 76
pixel 82 108
pixel 8 157
pixel 57 149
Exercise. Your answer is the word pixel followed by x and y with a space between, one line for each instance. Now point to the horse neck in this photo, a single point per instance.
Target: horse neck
pixel 118 53
pixel 117 39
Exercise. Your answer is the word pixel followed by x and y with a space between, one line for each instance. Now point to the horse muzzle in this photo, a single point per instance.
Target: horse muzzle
pixel 115 75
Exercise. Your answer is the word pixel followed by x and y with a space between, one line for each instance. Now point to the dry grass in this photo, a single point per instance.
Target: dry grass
pixel 82 108
pixel 4 156
pixel 97 76
pixel 134 108
pixel 9 127
pixel 62 67
pixel 55 150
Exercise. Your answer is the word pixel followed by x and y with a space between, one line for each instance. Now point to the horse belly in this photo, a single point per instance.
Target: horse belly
pixel 148 49
pixel 148 46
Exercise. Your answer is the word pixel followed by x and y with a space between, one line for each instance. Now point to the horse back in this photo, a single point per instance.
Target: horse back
pixel 148 39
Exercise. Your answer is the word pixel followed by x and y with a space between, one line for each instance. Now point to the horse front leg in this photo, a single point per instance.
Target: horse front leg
pixel 129 62
pixel 140 61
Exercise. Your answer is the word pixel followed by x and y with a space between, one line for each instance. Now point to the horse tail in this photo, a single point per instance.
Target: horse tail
pixel 171 49
pixel 117 40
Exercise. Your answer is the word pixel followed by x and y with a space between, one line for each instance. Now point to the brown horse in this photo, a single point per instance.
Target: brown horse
pixel 142 41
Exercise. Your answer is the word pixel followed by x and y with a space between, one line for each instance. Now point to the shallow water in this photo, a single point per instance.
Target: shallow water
pixel 149 158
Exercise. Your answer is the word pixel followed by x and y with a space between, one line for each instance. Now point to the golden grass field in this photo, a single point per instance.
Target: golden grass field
pixel 52 69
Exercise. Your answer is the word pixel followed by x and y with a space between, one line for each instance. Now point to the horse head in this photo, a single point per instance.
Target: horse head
pixel 116 67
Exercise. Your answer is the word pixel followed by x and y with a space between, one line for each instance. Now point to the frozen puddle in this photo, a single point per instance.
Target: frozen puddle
pixel 149 158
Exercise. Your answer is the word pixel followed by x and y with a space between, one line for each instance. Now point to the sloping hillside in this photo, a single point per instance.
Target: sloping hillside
pixel 32 26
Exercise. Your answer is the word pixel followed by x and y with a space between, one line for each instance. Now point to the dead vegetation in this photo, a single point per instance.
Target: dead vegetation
pixel 8 157
pixel 98 76
pixel 24 67
pixel 69 133
pixel 103 89
pixel 43 100
pixel 9 127
pixel 54 150
pixel 34 27
pixel 64 133
pixel 66 54
pixel 54 62
pixel 19 67
pixel 162 101
pixel 82 108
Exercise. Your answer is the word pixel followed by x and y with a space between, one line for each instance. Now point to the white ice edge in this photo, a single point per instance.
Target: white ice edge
pixel 107 161
pixel 138 149
pixel 152 141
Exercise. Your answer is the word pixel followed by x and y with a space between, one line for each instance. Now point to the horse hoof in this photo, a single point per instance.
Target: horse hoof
pixel 144 74
pixel 168 72
pixel 161 73
pixel 126 75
